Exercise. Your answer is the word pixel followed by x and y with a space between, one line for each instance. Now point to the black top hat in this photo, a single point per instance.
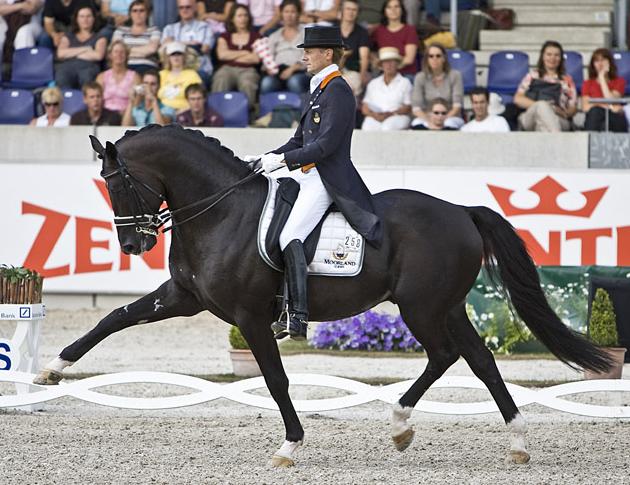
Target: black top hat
pixel 320 36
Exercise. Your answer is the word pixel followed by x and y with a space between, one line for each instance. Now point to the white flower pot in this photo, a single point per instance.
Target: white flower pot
pixel 244 364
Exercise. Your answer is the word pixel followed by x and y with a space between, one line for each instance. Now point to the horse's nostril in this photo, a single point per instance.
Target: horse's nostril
pixel 129 249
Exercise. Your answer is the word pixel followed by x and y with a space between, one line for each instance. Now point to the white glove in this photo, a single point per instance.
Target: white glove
pixel 251 158
pixel 272 162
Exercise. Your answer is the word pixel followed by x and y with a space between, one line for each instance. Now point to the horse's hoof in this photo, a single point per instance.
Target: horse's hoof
pixel 518 457
pixel 48 377
pixel 278 461
pixel 404 439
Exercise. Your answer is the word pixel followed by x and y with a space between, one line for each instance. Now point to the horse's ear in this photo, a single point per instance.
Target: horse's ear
pixel 110 150
pixel 96 146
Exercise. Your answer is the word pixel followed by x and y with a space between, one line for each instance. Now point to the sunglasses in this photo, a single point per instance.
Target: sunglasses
pixel 440 113
pixel 435 56
pixel 51 104
pixel 185 7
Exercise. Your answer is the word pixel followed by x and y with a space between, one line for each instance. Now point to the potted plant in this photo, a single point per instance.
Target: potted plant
pixel 19 286
pixel 602 330
pixel 243 361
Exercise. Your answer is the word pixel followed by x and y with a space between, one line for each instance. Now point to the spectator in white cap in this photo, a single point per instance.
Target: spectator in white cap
pixel 387 100
pixel 487 108
pixel 176 78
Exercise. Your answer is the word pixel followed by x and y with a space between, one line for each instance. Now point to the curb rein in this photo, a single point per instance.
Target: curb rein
pixel 150 223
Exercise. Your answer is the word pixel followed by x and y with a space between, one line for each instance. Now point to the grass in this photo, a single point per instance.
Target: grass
pixel 295 348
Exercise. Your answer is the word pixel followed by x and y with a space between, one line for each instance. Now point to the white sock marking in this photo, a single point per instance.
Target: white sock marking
pixel 58 364
pixel 288 448
pixel 400 415
pixel 518 429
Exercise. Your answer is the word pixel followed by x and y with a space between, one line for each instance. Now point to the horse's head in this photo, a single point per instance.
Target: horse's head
pixel 136 202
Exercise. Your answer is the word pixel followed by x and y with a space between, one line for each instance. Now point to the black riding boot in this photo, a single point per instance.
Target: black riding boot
pixel 296 322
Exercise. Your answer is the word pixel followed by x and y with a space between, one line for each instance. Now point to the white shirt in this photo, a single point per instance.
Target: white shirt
pixel 63 120
pixel 382 97
pixel 319 77
pixel 492 124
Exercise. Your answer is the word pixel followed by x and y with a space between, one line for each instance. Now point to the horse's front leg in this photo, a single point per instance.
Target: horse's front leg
pixel 169 300
pixel 265 348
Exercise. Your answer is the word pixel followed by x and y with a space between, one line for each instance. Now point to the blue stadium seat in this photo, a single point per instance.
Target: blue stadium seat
pixel 72 101
pixel 505 72
pixel 464 62
pixel 269 101
pixel 16 107
pixel 32 67
pixel 622 61
pixel 233 106
pixel 574 67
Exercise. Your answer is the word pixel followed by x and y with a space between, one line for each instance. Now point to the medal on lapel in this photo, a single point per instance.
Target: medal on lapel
pixel 316 117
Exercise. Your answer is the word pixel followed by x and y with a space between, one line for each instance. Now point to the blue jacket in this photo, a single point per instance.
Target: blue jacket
pixel 324 138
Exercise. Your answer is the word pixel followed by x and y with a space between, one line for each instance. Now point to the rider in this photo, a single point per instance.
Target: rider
pixel 318 156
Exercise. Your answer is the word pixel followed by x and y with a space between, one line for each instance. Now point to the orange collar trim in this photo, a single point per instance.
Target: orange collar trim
pixel 329 78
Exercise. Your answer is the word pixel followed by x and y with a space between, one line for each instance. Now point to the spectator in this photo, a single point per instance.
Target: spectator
pixel 95 113
pixel 118 80
pixel 437 80
pixel 603 82
pixel 145 107
pixel 54 115
pixel 215 12
pixel 320 12
pixel 394 32
pixel 58 16
pixel 483 120
pixel 438 112
pixel 235 51
pixel 143 41
pixel 193 33
pixel 265 14
pixel 434 8
pixel 547 94
pixel 356 60
pixel 387 101
pixel 20 25
pixel 116 11
pixel 199 113
pixel 80 51
pixel 282 47
pixel 175 78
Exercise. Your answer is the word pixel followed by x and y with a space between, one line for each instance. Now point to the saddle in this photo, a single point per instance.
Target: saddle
pixel 333 248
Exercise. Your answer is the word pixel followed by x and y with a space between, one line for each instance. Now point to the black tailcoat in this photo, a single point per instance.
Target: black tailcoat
pixel 324 138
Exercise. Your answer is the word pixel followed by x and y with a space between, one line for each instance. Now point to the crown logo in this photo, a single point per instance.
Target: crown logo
pixel 548 190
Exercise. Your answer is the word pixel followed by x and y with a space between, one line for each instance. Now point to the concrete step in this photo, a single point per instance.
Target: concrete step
pixel 554 3
pixel 531 38
pixel 539 15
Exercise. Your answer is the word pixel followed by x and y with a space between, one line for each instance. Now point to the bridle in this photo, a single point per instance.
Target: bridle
pixel 148 222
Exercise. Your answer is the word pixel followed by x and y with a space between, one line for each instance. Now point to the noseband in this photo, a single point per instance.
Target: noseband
pixel 147 222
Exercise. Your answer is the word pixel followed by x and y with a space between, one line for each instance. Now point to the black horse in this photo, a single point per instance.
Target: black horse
pixel 431 254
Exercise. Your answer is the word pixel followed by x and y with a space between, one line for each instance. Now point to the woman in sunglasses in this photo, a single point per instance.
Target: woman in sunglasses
pixel 54 116
pixel 437 116
pixel 437 80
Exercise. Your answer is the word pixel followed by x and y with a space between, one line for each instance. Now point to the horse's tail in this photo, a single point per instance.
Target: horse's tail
pixel 513 272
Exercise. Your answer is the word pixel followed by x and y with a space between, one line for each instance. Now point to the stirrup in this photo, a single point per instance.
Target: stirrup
pixel 289 325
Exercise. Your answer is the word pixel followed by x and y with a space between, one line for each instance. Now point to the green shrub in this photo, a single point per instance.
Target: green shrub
pixel 602 327
pixel 237 341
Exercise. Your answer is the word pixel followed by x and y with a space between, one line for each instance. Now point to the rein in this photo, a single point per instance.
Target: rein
pixel 150 223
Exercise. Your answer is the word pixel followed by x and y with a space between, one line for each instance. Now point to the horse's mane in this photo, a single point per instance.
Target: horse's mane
pixel 193 135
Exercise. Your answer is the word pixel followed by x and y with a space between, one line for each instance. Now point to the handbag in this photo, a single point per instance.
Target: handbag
pixel 544 91
pixel 501 18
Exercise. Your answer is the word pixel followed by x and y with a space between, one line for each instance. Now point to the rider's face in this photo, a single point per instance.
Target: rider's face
pixel 315 59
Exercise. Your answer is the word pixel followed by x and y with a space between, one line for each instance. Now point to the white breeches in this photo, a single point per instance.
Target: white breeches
pixel 311 204
pixel 25 36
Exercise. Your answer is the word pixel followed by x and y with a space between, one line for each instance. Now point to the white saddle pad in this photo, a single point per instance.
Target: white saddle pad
pixel 340 248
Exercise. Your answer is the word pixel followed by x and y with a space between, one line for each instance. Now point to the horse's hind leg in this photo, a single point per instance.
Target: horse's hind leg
pixel 442 353
pixel 169 300
pixel 482 363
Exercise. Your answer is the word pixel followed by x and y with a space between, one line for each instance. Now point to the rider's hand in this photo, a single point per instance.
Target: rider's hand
pixel 272 161
pixel 251 158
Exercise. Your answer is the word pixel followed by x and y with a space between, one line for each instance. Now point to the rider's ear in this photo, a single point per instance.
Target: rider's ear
pixel 97 147
pixel 111 151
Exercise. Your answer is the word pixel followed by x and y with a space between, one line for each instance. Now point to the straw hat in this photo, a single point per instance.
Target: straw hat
pixel 389 54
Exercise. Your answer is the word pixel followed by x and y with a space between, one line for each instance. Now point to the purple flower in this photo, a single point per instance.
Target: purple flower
pixel 367 331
